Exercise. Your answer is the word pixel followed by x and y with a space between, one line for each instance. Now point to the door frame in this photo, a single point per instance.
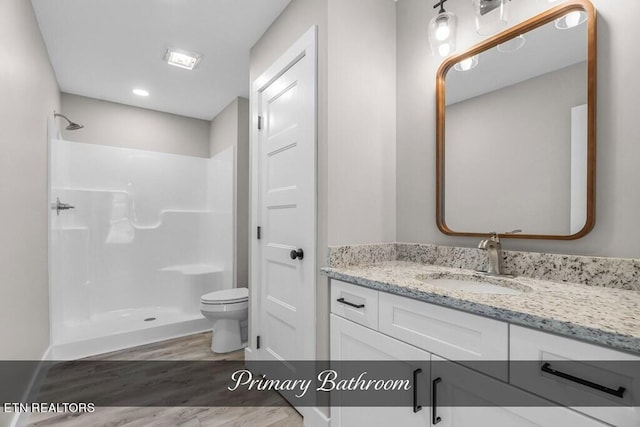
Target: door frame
pixel 305 46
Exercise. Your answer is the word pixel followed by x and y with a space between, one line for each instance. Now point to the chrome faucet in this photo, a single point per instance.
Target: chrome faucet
pixel 494 251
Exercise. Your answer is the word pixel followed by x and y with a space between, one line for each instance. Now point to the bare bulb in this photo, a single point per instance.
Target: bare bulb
pixel 442 30
pixel 443 49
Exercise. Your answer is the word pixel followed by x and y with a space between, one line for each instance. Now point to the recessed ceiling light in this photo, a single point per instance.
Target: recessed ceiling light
pixel 467 64
pixel 182 58
pixel 141 92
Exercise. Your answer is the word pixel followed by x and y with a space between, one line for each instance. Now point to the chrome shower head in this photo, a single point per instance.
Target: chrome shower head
pixel 72 125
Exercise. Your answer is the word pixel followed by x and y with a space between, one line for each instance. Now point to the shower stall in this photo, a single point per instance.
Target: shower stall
pixel 136 237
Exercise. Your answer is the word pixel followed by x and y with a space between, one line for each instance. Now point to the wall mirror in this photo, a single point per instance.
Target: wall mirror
pixel 516 130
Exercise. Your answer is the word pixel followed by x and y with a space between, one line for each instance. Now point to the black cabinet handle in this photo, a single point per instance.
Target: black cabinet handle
pixel 296 253
pixel 435 419
pixel 416 407
pixel 342 301
pixel 549 370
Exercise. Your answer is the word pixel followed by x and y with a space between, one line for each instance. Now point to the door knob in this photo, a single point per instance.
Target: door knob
pixel 296 253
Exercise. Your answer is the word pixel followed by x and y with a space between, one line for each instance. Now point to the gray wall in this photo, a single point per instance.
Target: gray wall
pixel 231 127
pixel 356 120
pixel 224 129
pixel 362 121
pixel 508 155
pixel 29 96
pixel 617 200
pixel 242 194
pixel 119 125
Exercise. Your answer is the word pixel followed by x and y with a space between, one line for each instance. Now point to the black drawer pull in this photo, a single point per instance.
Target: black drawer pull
pixel 416 407
pixel 549 370
pixel 435 419
pixel 342 301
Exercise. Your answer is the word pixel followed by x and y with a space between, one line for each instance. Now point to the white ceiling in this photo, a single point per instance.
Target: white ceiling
pixel 104 48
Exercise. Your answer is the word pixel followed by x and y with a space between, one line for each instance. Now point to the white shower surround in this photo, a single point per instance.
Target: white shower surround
pixel 150 233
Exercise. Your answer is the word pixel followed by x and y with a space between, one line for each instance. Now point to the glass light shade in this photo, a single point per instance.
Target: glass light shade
pixel 466 64
pixel 442 34
pixel 490 16
pixel 571 19
pixel 512 45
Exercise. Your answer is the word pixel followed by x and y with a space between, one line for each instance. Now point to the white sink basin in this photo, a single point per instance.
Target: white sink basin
pixel 474 284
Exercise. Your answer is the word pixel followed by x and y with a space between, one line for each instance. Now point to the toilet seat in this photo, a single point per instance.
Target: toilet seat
pixel 227 296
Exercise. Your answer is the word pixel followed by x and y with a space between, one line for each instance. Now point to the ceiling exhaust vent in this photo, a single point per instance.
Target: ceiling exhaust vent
pixel 182 58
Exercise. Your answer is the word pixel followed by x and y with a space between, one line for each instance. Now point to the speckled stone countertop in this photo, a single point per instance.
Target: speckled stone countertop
pixel 599 315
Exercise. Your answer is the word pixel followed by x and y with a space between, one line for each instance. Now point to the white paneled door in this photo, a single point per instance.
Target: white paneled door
pixel 285 210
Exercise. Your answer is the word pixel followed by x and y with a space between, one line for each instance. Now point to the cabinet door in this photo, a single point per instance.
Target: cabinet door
pixel 457 386
pixel 350 341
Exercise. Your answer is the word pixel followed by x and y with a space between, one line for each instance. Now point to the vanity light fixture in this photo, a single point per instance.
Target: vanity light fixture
pixel 490 16
pixel 442 31
pixel 571 19
pixel 182 58
pixel 466 64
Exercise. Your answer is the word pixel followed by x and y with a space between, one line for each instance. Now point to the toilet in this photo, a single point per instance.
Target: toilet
pixel 228 310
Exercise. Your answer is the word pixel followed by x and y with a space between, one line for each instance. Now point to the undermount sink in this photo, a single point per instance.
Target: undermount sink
pixel 479 284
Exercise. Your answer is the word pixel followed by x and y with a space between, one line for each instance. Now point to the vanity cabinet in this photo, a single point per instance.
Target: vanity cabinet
pixel 408 329
pixel 452 334
pixel 350 341
pixel 611 387
pixel 358 304
pixel 457 386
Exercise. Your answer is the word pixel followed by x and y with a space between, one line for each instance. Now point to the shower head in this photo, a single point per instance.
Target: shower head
pixel 72 125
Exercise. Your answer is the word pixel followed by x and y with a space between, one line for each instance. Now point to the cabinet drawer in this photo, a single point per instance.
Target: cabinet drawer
pixel 355 303
pixel 466 398
pixel 543 349
pixel 449 333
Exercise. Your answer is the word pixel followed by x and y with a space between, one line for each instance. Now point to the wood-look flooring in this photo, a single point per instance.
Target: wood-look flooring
pixel 194 347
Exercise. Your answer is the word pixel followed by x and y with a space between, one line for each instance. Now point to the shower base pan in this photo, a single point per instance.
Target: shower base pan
pixel 122 329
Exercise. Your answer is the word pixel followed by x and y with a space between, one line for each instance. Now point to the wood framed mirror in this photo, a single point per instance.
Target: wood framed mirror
pixel 516 130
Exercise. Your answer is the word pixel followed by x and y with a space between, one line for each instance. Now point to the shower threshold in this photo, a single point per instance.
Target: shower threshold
pixel 123 329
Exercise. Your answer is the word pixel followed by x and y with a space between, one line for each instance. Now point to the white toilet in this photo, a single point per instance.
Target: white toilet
pixel 229 311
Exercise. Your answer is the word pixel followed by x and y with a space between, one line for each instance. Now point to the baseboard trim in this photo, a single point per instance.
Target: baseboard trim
pixel 48 354
pixel 248 353
pixel 315 417
pixel 21 419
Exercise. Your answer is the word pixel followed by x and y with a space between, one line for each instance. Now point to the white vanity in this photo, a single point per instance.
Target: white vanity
pixel 372 324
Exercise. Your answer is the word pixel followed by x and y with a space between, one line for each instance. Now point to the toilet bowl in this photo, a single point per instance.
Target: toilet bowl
pixel 228 310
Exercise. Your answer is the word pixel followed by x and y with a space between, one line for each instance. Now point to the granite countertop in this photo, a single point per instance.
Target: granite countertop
pixel 600 315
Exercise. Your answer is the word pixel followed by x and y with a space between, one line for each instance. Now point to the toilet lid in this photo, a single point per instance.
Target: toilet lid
pixel 226 296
